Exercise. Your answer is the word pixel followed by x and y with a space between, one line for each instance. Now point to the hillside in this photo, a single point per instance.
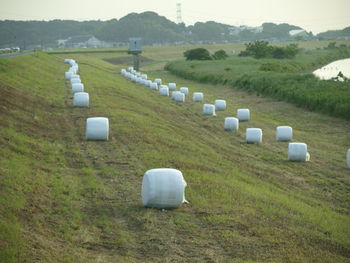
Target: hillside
pixel 151 27
pixel 335 34
pixel 67 200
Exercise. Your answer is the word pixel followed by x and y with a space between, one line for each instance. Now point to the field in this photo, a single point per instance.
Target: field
pixel 283 79
pixel 63 199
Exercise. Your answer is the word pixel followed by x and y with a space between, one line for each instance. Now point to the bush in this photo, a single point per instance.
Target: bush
pixel 197 54
pixel 220 54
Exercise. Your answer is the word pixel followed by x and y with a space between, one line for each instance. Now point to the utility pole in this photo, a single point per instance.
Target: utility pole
pixel 178 13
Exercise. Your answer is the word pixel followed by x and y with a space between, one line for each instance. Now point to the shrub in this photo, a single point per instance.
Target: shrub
pixel 261 49
pixel 197 54
pixel 220 54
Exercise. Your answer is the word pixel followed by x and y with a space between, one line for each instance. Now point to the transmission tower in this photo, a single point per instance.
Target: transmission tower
pixel 178 13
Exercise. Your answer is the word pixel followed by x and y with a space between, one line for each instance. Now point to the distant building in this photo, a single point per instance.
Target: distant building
pixel 299 33
pixel 234 31
pixel 83 41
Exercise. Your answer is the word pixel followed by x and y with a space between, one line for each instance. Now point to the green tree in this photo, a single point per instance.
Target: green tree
pixel 220 54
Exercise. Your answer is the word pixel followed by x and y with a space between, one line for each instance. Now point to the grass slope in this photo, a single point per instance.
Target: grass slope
pixel 67 200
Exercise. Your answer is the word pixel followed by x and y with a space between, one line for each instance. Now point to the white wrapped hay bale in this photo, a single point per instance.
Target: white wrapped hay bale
pixel 184 90
pixel 154 86
pixel 144 76
pixel 68 74
pixel 67 60
pixel 74 69
pixel 231 124
pixel 97 129
pixel 198 96
pixel 158 81
pixel 284 133
pixel 74 80
pixel 123 71
pixel 163 188
pixel 130 69
pixel 243 114
pixel 179 96
pixel 81 99
pixel 148 83
pixel 297 152
pixel 209 109
pixel 164 91
pixel 220 105
pixel 253 135
pixel 133 78
pixel 77 87
pixel 348 158
pixel 173 94
pixel 172 86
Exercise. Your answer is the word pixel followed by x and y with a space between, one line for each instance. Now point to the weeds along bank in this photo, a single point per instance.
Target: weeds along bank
pixel 67 200
pixel 290 80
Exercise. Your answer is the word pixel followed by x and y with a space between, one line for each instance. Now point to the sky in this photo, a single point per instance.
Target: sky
pixel 312 15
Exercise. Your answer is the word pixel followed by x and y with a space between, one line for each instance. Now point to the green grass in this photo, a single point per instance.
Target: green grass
pixel 68 200
pixel 289 79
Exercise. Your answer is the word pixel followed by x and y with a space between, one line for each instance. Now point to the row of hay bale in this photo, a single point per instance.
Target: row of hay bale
pixel 296 151
pixel 165 187
pixel 97 128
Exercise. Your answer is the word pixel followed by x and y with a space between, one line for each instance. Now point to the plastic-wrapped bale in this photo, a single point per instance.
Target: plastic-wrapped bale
pixel 220 105
pixel 81 99
pixel 164 91
pixel 231 124
pixel 197 96
pixel 97 129
pixel 284 133
pixel 144 76
pixel 68 74
pixel 179 97
pixel 133 78
pixel 67 60
pixel 72 62
pixel 163 188
pixel 130 69
pixel 158 81
pixel 154 86
pixel 209 109
pixel 297 152
pixel 243 114
pixel 74 80
pixel 123 71
pixel 172 86
pixel 173 94
pixel 74 69
pixel 348 158
pixel 184 90
pixel 148 83
pixel 253 135
pixel 77 87
pixel 129 75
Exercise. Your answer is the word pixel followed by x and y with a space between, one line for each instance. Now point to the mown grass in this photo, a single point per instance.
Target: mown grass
pixel 68 200
pixel 289 79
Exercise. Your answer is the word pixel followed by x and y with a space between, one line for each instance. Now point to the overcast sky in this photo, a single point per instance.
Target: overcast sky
pixel 313 15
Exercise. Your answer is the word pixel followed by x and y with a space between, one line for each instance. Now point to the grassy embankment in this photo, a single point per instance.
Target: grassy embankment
pixel 64 199
pixel 288 79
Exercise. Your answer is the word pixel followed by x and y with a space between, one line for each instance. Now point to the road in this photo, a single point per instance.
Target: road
pixel 15 54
